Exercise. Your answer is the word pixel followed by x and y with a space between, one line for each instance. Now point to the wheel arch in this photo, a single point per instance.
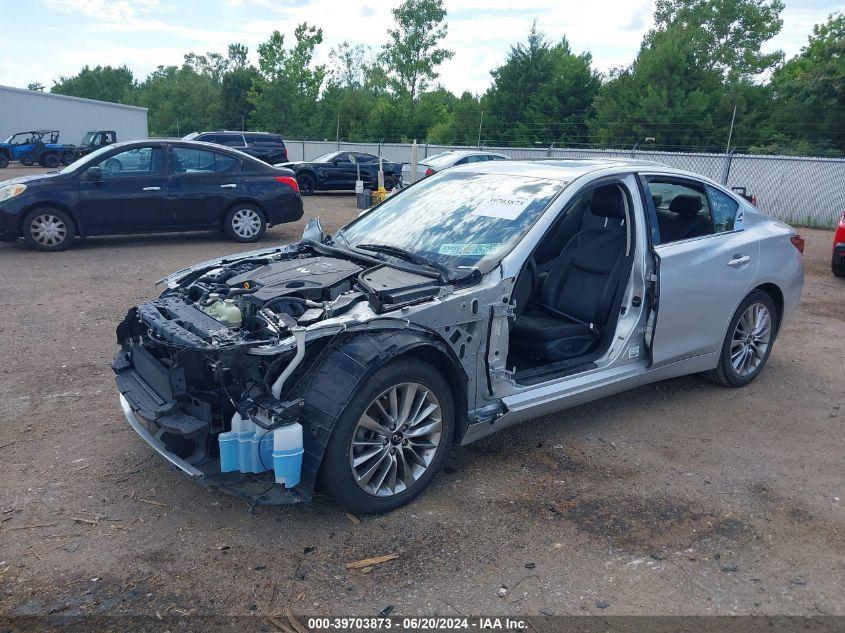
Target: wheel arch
pixel 343 365
pixel 776 294
pixel 49 205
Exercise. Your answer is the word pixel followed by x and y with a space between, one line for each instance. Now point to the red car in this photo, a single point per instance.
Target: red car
pixel 837 262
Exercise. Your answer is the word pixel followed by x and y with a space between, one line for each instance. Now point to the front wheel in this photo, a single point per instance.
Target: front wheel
pixel 68 158
pixel 48 230
pixel 244 223
pixel 4 161
pixel 391 438
pixel 748 342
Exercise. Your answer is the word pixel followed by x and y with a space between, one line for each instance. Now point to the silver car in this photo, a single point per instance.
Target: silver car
pixel 444 160
pixel 477 299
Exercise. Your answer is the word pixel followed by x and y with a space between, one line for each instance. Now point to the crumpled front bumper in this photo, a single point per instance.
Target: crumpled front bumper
pixel 247 487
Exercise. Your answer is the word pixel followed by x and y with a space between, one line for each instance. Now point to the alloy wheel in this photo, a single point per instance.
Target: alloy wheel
pixel 48 230
pixel 396 439
pixel 246 223
pixel 751 339
pixel 306 184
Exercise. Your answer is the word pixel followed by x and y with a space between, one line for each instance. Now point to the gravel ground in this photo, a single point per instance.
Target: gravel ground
pixel 675 498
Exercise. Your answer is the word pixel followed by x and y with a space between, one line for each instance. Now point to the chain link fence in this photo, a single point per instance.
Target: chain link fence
pixel 799 190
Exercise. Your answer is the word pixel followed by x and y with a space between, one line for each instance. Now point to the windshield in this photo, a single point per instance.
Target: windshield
pixel 324 158
pixel 87 138
pixel 88 158
pixel 457 219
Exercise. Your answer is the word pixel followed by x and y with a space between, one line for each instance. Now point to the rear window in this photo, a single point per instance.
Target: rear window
pixel 265 139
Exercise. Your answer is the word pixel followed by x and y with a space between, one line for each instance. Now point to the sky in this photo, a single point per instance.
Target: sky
pixel 45 39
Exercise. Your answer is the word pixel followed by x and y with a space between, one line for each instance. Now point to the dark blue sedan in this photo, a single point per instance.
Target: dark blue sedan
pixel 149 186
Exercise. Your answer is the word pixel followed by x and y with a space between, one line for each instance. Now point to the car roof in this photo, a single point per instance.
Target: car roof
pixel 189 143
pixel 568 169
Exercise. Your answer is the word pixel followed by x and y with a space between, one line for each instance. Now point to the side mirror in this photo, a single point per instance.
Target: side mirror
pixel 95 173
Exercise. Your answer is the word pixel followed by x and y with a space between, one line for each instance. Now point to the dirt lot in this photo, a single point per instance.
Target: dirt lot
pixel 676 498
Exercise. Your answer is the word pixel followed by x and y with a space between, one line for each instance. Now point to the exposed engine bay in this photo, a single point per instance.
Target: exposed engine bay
pixel 221 351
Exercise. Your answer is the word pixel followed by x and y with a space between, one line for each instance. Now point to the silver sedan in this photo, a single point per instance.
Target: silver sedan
pixel 481 297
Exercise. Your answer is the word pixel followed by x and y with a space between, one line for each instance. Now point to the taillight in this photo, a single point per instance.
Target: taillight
pixel 429 171
pixel 797 242
pixel 285 154
pixel 754 199
pixel 842 219
pixel 290 181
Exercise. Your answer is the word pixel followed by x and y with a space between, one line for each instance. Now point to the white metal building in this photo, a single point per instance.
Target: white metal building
pixel 24 110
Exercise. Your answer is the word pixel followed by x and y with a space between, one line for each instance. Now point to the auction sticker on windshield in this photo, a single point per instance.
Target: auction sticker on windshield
pixel 502 207
pixel 468 249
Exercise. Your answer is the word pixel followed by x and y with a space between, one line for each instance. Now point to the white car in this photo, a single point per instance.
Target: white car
pixel 444 160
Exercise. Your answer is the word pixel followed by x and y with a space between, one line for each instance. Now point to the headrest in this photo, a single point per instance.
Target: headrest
pixel 657 199
pixel 608 202
pixel 688 204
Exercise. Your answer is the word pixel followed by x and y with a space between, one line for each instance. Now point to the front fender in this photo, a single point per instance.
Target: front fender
pixel 342 368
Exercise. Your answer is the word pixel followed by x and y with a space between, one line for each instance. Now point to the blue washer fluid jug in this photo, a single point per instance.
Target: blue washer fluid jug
pixel 287 454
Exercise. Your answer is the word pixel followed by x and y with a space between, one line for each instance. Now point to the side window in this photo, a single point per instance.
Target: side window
pixel 494 157
pixel 261 139
pixel 230 140
pixel 683 211
pixel 364 158
pixel 723 208
pixel 138 161
pixel 187 160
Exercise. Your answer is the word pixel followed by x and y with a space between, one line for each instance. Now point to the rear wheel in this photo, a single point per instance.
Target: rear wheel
pixel 748 342
pixel 244 223
pixel 838 267
pixel 51 160
pixel 389 181
pixel 391 438
pixel 4 161
pixel 68 158
pixel 48 230
pixel 307 184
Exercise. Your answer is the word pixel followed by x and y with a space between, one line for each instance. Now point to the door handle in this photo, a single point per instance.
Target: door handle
pixel 230 185
pixel 739 260
pixel 151 189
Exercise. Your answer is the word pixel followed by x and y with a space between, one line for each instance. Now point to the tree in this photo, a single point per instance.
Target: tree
pixel 285 95
pixel 724 34
pixel 809 94
pixel 542 93
pixel 104 83
pixel 411 53
pixel 664 98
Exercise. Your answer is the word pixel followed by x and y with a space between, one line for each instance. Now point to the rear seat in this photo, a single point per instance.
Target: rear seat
pixel 683 220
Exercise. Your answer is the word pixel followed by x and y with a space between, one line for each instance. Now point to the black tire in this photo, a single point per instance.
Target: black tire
pixel 68 158
pixel 4 161
pixel 390 181
pixel 58 239
pixel 725 373
pixel 245 223
pixel 837 268
pixel 50 160
pixel 307 183
pixel 336 476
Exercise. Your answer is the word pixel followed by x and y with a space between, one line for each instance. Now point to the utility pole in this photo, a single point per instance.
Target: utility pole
pixel 480 122
pixel 730 133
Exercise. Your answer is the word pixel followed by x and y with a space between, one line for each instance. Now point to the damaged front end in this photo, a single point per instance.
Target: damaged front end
pixel 210 373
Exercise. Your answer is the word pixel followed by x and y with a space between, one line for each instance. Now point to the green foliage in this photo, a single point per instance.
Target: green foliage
pixel 542 94
pixel 104 83
pixel 725 35
pixel 702 59
pixel 288 86
pixel 412 53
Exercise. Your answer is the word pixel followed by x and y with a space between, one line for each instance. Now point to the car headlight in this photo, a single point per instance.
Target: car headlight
pixel 10 191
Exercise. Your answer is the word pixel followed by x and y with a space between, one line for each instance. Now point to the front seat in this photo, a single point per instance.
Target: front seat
pixel 579 289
